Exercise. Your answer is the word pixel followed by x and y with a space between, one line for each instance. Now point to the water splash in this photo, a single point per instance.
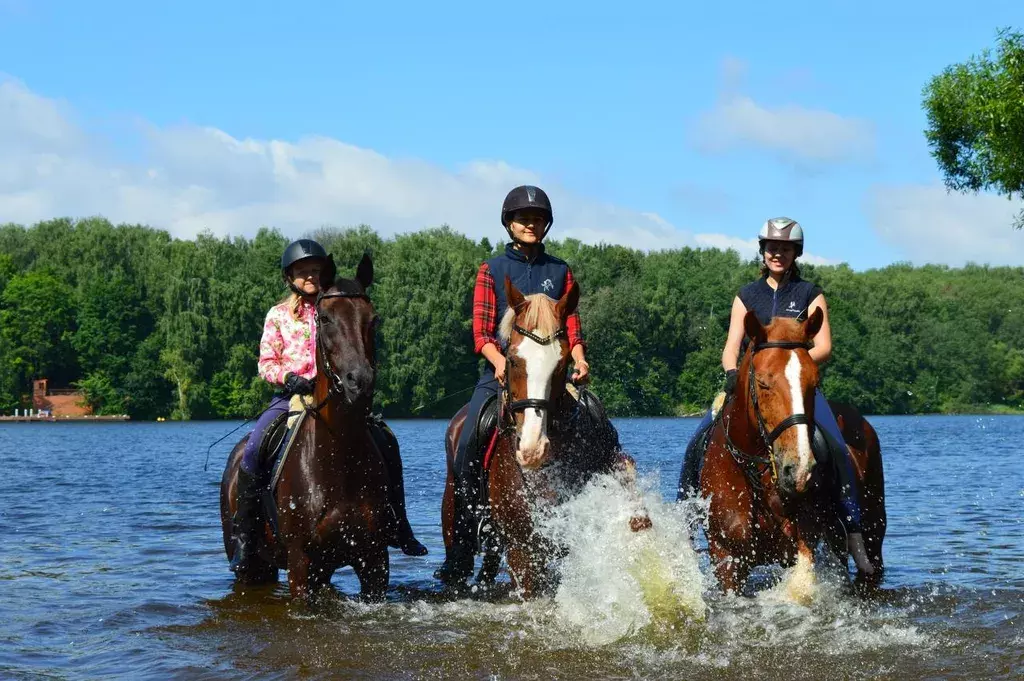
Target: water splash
pixel 616 582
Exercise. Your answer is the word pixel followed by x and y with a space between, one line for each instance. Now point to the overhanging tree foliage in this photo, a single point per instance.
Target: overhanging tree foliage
pixel 976 121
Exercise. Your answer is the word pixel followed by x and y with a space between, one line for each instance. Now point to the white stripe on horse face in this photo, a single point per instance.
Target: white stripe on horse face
pixel 796 397
pixel 541 361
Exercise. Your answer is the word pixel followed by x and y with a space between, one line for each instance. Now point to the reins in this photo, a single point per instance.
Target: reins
pixel 751 463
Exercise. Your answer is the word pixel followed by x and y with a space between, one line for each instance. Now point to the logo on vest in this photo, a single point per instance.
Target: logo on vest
pixel 547 285
pixel 792 306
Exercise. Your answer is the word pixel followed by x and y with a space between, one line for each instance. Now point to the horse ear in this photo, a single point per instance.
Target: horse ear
pixel 364 272
pixel 329 273
pixel 755 331
pixel 567 303
pixel 512 295
pixel 814 322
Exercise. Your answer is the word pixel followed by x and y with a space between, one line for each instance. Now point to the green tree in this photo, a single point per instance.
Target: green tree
pixel 976 121
pixel 36 327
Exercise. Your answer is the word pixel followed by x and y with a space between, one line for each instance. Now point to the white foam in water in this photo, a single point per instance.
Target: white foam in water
pixel 615 582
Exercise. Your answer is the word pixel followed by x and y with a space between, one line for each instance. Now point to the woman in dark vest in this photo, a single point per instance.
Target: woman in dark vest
pixel 781 292
pixel 527 217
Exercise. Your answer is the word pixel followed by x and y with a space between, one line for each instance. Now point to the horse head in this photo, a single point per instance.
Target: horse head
pixel 780 378
pixel 346 325
pixel 537 354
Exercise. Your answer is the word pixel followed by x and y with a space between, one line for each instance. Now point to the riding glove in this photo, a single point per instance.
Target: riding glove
pixel 298 385
pixel 730 381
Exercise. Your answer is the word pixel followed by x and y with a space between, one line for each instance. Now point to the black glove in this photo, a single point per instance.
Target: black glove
pixel 730 381
pixel 298 385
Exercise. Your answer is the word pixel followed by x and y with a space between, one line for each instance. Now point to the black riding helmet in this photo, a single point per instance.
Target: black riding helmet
pixel 522 197
pixel 301 250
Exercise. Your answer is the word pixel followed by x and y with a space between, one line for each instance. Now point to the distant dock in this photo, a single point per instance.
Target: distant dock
pixel 61 419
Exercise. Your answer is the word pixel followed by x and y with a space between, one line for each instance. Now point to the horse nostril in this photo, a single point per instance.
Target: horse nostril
pixel 787 472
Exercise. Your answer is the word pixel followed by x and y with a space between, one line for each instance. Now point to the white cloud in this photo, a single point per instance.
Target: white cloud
pixel 792 132
pixel 932 225
pixel 190 178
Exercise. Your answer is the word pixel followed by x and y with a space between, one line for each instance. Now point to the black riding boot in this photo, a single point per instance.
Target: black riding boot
pixel 246 523
pixel 403 537
pixel 458 561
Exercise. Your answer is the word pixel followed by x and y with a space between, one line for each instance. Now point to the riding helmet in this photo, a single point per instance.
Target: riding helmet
pixel 526 196
pixel 782 229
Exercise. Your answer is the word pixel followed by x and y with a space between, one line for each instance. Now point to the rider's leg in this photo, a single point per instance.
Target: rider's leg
pixel 849 489
pixel 689 474
pixel 458 563
pixel 246 522
pixel 404 538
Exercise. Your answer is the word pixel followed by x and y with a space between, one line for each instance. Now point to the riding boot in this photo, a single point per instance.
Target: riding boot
pixel 459 557
pixel 246 523
pixel 855 545
pixel 402 536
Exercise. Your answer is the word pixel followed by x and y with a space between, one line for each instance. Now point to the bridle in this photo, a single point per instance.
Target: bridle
pixel 335 386
pixel 759 462
pixel 529 403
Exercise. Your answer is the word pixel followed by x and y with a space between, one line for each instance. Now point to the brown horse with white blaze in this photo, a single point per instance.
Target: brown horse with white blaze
pixel 332 497
pixel 769 501
pixel 534 458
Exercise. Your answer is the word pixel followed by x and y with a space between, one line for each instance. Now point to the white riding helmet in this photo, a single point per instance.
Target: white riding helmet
pixel 782 229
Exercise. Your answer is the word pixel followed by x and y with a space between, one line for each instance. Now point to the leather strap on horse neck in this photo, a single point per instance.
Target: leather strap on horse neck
pixel 334 381
pixel 531 403
pixel 769 438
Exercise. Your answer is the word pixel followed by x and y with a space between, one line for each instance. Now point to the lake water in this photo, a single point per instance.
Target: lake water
pixel 111 566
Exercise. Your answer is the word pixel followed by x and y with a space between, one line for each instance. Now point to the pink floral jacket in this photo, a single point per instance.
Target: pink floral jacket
pixel 288 345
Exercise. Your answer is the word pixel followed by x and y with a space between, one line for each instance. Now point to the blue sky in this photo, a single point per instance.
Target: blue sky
pixel 652 124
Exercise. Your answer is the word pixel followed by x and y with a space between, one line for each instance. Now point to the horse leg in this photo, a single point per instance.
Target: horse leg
pixel 521 568
pixel 731 571
pixel 373 571
pixel 626 467
pixel 298 572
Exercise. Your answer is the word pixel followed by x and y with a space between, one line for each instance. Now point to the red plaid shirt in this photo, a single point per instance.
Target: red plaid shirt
pixel 485 313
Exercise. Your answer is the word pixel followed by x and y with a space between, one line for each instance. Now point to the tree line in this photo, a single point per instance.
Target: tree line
pixel 150 325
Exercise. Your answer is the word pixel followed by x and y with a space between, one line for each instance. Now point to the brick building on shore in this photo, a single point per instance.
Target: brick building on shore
pixel 58 402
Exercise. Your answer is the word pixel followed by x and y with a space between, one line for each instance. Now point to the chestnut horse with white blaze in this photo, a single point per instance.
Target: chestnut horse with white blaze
pixel 769 501
pixel 534 457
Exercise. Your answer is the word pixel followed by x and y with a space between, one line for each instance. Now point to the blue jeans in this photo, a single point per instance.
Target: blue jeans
pixel 849 493
pixel 250 457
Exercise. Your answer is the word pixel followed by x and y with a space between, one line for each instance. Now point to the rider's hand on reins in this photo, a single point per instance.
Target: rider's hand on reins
pixel 581 374
pixel 499 370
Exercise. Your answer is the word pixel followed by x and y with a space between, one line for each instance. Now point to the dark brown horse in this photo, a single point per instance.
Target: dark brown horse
pixel 768 501
pixel 531 460
pixel 332 497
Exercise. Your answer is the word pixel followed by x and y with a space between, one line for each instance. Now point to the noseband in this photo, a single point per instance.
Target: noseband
pixel 787 423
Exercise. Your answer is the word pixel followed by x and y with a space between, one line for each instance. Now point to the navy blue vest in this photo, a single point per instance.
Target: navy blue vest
pixel 792 300
pixel 545 274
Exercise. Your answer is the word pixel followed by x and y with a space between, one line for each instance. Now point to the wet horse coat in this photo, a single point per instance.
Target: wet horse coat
pixel 532 461
pixel 768 502
pixel 332 497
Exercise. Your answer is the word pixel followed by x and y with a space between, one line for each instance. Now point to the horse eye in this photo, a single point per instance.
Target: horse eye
pixel 764 386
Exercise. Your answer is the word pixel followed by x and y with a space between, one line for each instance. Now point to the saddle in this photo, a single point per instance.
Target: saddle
pixel 278 439
pixel 588 421
pixel 593 445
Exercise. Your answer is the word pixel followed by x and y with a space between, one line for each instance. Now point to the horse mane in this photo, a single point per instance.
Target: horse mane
pixel 540 317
